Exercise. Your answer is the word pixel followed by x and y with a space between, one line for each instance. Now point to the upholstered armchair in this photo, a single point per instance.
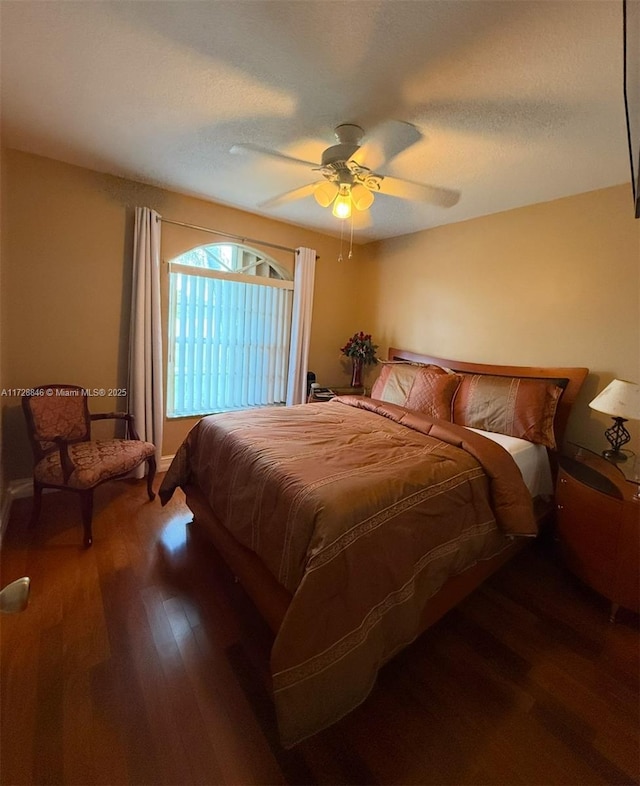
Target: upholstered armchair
pixel 59 426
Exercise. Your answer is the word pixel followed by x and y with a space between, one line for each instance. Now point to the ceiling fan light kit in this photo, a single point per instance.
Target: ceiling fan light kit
pixel 344 193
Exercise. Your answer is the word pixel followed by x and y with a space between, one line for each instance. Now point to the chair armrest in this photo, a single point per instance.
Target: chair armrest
pixel 133 434
pixel 65 461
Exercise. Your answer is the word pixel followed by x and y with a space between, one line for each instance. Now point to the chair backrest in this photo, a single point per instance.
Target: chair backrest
pixel 56 411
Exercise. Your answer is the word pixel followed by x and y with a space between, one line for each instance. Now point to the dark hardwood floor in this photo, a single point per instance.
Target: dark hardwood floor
pixel 140 661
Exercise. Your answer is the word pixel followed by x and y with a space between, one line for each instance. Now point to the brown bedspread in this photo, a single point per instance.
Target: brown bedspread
pixel 361 510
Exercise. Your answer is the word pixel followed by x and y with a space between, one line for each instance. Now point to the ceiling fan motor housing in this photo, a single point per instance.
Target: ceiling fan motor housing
pixel 349 134
pixel 349 137
pixel 338 154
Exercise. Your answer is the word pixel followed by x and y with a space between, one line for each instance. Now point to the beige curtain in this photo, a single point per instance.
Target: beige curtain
pixel 145 338
pixel 304 279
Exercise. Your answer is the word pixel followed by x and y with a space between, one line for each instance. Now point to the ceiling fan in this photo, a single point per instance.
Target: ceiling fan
pixel 347 170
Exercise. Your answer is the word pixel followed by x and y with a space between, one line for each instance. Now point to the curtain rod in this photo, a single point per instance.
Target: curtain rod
pixel 226 234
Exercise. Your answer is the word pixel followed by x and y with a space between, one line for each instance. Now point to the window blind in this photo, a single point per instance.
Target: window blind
pixel 230 344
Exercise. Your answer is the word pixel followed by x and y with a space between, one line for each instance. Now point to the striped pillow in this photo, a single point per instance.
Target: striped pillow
pixel 515 406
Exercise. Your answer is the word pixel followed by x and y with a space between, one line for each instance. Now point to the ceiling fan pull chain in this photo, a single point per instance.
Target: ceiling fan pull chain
pixel 351 240
pixel 341 236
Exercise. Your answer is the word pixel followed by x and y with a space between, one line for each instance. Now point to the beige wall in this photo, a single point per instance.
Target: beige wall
pixel 66 267
pixel 551 284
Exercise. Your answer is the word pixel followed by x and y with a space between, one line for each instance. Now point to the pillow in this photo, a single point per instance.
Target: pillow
pixel 432 393
pixel 516 406
pixel 396 379
pixel 428 389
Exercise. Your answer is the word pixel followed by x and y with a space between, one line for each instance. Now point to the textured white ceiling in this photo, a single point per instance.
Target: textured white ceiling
pixel 519 101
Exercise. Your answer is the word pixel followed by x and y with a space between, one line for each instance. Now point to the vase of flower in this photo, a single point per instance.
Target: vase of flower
pixel 362 352
pixel 356 374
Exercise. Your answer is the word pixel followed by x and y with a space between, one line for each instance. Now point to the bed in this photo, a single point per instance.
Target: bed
pixel 355 524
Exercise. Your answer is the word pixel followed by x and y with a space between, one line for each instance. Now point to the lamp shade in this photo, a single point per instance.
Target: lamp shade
pixel 361 197
pixel 620 399
pixel 325 193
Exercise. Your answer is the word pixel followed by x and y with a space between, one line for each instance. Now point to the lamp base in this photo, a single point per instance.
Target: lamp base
pixel 614 455
pixel 617 436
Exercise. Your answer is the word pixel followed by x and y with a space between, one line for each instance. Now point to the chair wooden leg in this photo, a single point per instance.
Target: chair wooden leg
pixel 37 503
pixel 151 473
pixel 86 500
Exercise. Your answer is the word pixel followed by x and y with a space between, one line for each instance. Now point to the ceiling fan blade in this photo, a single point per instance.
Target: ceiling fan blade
pixel 385 143
pixel 362 219
pixel 247 147
pixel 291 196
pixel 406 189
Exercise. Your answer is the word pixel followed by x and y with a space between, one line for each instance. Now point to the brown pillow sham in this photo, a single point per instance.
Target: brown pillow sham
pixel 395 381
pixel 515 406
pixel 427 388
pixel 432 393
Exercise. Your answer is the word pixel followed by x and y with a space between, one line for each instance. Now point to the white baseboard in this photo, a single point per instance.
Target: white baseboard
pixel 15 490
pixel 23 487
pixel 165 461
pixel 19 489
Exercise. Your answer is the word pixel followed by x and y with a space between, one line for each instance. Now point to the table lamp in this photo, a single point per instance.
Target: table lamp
pixel 621 400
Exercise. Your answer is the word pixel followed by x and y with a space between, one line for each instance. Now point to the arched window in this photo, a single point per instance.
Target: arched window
pixel 229 330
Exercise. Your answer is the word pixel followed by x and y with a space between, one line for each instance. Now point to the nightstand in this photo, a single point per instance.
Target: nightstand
pixel 329 393
pixel 598 526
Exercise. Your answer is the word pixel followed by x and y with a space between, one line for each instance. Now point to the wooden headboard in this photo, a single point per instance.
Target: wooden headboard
pixel 570 379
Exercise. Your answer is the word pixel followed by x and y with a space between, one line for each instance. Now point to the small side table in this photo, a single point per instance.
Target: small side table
pixel 598 526
pixel 333 392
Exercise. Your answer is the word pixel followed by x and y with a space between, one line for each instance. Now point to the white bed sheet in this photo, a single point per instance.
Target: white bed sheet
pixel 532 461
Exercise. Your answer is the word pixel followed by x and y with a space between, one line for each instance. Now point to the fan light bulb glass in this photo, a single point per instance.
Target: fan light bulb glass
pixel 342 205
pixel 361 197
pixel 325 193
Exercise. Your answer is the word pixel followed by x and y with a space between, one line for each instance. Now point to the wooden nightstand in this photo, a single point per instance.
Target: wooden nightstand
pixel 332 392
pixel 598 526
